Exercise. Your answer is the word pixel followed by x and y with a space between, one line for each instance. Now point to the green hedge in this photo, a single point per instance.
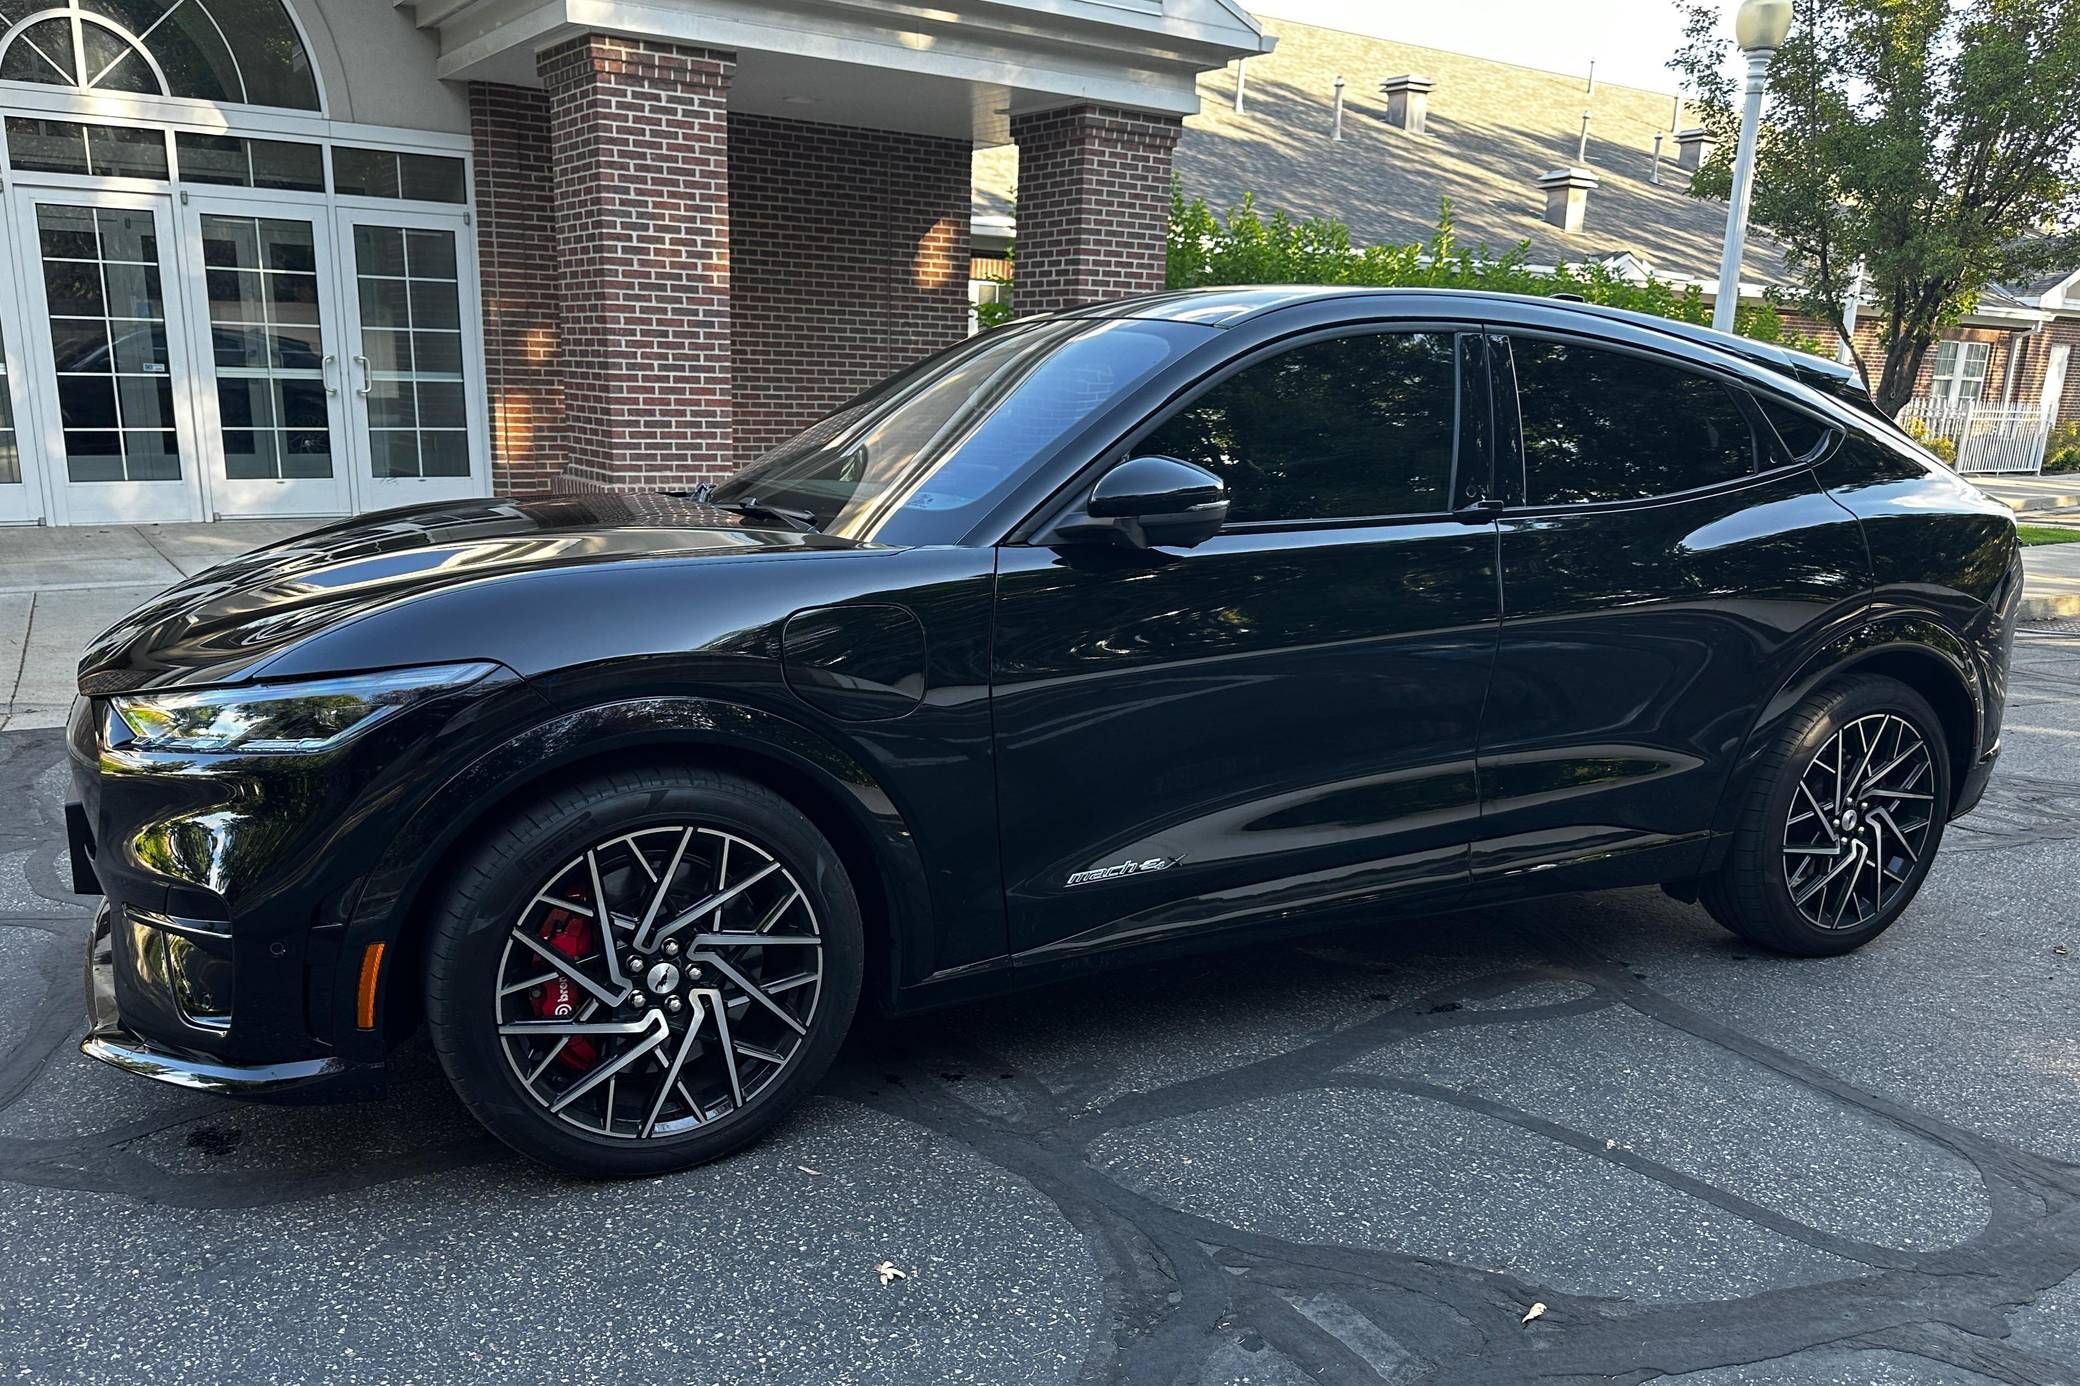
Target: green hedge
pixel 1245 247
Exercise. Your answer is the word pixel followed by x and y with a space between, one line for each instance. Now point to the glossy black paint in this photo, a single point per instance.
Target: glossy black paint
pixel 1279 724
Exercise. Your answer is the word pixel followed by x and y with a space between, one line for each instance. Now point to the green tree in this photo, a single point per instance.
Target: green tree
pixel 1936 141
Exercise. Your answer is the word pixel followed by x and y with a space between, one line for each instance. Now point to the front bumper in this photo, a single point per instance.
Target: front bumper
pixel 326 1079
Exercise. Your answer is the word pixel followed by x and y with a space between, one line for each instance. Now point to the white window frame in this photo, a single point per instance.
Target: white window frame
pixel 1960 373
pixel 40 497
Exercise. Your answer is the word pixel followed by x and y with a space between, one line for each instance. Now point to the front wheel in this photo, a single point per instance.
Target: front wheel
pixel 1841 823
pixel 644 971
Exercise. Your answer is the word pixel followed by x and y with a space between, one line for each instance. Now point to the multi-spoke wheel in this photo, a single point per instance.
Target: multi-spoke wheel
pixel 1841 821
pixel 1859 821
pixel 642 972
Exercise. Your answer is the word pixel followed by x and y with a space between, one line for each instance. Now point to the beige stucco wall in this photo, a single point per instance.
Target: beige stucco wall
pixel 377 68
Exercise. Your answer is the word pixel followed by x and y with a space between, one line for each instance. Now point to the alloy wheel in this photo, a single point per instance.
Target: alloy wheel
pixel 659 982
pixel 1859 822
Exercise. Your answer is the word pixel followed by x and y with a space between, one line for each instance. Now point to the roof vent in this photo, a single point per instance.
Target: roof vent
pixel 1567 196
pixel 1408 101
pixel 1693 147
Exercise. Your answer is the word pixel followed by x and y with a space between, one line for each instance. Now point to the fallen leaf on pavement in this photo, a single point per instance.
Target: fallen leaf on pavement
pixel 887 1271
pixel 806 1170
pixel 1533 1312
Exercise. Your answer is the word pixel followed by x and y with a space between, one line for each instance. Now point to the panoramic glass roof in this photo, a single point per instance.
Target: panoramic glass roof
pixel 242 51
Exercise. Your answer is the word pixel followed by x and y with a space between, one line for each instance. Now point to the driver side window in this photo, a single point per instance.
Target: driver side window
pixel 1348 428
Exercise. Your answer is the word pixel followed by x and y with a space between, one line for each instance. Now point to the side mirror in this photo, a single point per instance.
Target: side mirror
pixel 1148 503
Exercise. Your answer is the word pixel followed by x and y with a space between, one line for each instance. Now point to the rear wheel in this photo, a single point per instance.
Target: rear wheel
pixel 644 971
pixel 1841 824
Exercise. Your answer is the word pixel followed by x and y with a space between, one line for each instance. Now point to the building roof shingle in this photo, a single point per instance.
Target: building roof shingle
pixel 1493 129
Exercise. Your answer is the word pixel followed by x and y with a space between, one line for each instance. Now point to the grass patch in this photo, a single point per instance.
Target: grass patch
pixel 2048 534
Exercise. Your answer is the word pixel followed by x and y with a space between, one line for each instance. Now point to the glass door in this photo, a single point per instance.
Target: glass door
pixel 18 499
pixel 416 403
pixel 265 308
pixel 115 427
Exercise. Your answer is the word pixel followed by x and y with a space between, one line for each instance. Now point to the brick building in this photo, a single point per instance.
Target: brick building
pixel 284 257
pixel 1580 171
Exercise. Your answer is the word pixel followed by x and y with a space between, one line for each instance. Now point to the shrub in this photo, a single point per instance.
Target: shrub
pixel 2062 454
pixel 1944 448
pixel 1245 247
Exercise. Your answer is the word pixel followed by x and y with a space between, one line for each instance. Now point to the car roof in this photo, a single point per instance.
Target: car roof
pixel 1231 306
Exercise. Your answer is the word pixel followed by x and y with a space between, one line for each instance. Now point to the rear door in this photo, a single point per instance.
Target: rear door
pixel 1282 718
pixel 1666 563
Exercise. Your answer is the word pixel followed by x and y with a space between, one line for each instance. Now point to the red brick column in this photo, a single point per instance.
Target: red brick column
pixel 1093 205
pixel 639 158
pixel 848 261
pixel 516 254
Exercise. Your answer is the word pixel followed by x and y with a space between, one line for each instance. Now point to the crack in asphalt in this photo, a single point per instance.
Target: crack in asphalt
pixel 1184 1295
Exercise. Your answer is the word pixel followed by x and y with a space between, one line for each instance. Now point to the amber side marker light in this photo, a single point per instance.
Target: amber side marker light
pixel 365 994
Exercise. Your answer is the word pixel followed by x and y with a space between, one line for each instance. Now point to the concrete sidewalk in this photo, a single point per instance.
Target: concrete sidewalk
pixel 2031 494
pixel 60 587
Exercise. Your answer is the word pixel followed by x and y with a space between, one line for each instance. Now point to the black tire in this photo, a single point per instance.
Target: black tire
pixel 502 884
pixel 1752 893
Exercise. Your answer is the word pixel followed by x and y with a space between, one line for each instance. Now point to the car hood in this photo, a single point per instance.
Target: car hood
pixel 222 624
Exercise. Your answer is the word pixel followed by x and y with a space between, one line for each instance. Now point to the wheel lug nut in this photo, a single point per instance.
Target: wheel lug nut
pixel 638 1000
pixel 671 948
pixel 671 1003
pixel 693 973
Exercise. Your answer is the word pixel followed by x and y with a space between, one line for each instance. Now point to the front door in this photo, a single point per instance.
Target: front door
pixel 2055 379
pixel 119 436
pixel 265 332
pixel 415 407
pixel 1284 717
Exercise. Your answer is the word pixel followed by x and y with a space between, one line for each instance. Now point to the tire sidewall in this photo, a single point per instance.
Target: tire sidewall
pixel 1860 699
pixel 516 864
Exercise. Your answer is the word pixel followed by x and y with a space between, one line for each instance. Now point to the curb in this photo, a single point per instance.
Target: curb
pixel 2029 504
pixel 2056 606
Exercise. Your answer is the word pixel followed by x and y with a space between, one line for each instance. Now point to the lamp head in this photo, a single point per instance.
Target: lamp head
pixel 1761 25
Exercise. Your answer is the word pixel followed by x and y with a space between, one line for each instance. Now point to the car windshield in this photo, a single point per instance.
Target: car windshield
pixel 911 458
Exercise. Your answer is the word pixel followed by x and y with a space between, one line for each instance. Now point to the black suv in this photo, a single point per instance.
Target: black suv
pixel 1137 628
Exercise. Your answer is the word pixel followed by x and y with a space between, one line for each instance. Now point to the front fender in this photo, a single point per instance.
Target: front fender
pixel 394 897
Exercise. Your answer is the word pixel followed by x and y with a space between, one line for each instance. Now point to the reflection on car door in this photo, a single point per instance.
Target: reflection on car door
pixel 1283 717
pixel 1660 557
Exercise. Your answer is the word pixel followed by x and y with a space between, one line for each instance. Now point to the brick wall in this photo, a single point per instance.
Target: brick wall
pixel 848 259
pixel 639 152
pixel 1093 204
pixel 2032 352
pixel 516 254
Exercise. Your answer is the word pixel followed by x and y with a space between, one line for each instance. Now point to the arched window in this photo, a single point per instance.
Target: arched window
pixel 242 51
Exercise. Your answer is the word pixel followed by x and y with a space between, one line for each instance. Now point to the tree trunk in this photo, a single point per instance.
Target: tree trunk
pixel 1902 371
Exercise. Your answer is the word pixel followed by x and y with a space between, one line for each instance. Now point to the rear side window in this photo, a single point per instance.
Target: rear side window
pixel 1610 426
pixel 1340 429
pixel 1802 434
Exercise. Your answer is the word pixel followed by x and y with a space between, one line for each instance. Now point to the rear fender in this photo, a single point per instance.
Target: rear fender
pixel 1889 640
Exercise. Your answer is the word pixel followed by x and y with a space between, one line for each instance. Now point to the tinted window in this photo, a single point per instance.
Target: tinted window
pixel 1802 433
pixel 902 461
pixel 1607 425
pixel 1351 427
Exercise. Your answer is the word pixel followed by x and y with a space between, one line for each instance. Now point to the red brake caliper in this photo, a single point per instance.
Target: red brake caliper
pixel 571 935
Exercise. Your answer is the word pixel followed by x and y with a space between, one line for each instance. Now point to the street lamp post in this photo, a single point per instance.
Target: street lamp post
pixel 1759 28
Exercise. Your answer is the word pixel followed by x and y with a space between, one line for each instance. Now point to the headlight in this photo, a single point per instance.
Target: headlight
pixel 274 718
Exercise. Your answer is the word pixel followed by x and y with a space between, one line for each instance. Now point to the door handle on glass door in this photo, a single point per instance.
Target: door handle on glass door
pixel 325 366
pixel 362 388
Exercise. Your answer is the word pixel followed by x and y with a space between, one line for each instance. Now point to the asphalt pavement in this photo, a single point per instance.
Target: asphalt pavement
pixel 1366 1156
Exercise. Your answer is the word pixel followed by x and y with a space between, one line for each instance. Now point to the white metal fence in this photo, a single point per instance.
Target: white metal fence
pixel 1982 438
